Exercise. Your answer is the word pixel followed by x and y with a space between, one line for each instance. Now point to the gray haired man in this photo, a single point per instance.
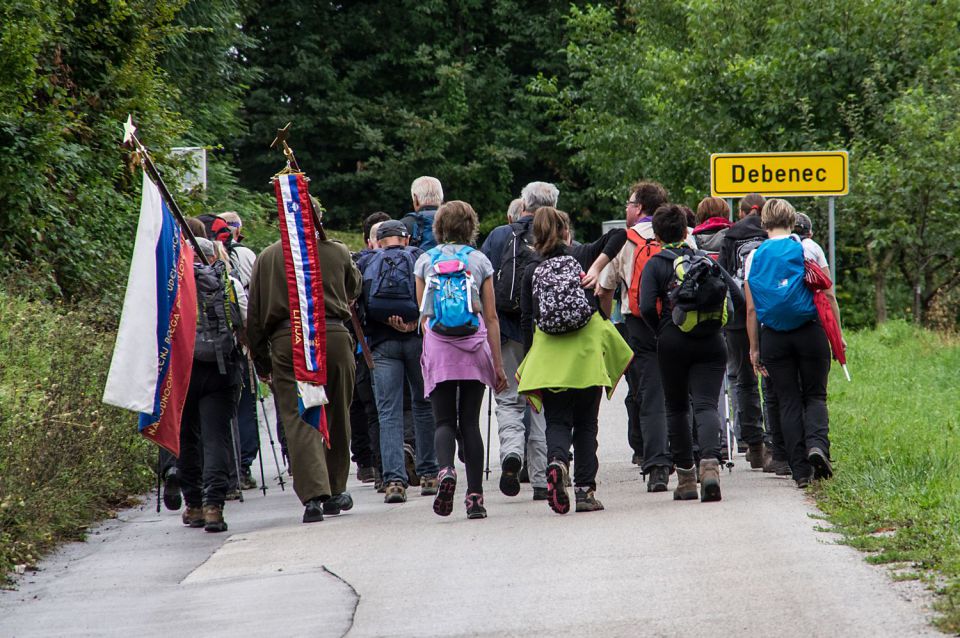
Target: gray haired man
pixel 426 194
pixel 509 249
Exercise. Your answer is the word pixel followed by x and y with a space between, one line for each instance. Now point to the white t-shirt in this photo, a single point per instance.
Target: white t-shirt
pixel 811 251
pixel 477 263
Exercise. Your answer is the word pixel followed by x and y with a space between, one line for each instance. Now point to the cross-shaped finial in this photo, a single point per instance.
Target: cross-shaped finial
pixel 281 138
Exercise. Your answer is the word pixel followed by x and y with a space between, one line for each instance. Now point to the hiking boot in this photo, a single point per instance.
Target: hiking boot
pixel 803 482
pixel 775 466
pixel 410 463
pixel 524 475
pixel 658 478
pixel 587 500
pixel 247 482
pixel 233 494
pixel 557 497
pixel 709 480
pixel 539 493
pixel 510 475
pixel 686 484
pixel 755 454
pixel 193 516
pixel 637 459
pixel 171 490
pixel 213 518
pixel 446 488
pixel 336 504
pixel 378 482
pixel 475 508
pixel 395 492
pixel 822 469
pixel 313 511
pixel 428 485
pixel 366 474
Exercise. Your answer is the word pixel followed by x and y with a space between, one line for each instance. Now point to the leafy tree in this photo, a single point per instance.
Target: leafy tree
pixel 381 92
pixel 654 89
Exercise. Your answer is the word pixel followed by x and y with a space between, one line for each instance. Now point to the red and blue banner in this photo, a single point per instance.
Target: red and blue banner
pixel 308 330
pixel 153 355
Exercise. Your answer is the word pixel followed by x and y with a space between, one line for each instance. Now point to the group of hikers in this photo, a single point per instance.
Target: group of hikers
pixel 689 306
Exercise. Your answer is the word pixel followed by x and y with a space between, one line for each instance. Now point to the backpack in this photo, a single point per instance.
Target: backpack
pixel 743 249
pixel 451 293
pixel 644 249
pixel 422 235
pixel 781 297
pixel 562 304
pixel 517 253
pixel 217 314
pixel 389 285
pixel 698 298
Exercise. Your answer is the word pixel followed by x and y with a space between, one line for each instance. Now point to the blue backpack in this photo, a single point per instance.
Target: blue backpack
pixel 389 285
pixel 450 297
pixel 422 236
pixel 780 294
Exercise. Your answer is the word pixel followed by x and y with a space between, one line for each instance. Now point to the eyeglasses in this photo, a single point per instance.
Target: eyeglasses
pixel 630 202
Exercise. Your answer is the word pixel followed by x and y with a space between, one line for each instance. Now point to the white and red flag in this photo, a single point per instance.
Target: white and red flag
pixel 153 355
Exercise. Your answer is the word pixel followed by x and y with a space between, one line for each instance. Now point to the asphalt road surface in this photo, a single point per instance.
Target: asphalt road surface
pixel 756 563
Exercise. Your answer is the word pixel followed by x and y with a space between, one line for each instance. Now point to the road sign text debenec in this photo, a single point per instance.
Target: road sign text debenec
pixel 823 173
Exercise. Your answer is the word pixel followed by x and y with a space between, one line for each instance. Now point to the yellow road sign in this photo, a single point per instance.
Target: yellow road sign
pixel 798 174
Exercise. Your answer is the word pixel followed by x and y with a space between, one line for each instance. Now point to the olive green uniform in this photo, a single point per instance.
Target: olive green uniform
pixel 317 471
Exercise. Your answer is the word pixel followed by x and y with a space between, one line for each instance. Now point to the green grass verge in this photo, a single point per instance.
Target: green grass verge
pixel 66 460
pixel 895 435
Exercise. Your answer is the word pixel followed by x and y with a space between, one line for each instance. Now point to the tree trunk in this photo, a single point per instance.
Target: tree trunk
pixel 880 296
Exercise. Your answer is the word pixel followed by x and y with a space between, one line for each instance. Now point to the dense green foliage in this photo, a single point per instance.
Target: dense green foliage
pixel 654 89
pixel 895 436
pixel 66 460
pixel 381 92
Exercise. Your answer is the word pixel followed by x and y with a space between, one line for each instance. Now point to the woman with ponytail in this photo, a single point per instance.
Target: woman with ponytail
pixel 572 352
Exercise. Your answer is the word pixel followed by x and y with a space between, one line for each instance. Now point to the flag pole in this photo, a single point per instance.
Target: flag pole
pixel 131 141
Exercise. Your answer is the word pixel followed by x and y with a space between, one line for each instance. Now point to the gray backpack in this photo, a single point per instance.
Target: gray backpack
pixel 562 304
pixel 217 315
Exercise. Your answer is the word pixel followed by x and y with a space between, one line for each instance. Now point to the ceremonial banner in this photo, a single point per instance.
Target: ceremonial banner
pixel 308 330
pixel 153 355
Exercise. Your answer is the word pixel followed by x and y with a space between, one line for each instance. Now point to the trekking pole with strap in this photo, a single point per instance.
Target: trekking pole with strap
pixel 273 447
pixel 254 384
pixel 235 436
pixel 489 420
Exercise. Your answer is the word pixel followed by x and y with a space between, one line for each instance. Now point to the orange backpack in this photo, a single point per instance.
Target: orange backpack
pixel 643 250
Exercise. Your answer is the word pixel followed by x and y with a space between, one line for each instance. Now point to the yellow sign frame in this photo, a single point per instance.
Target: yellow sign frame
pixel 806 166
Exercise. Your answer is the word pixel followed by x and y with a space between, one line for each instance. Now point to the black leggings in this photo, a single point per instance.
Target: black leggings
pixel 692 369
pixel 571 417
pixel 451 415
pixel 798 362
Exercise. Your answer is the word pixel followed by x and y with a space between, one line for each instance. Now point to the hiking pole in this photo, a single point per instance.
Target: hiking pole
pixel 235 436
pixel 273 447
pixel 256 417
pixel 489 418
pixel 727 422
pixel 159 477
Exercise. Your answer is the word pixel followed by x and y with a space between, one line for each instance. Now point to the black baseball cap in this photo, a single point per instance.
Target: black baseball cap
pixel 392 228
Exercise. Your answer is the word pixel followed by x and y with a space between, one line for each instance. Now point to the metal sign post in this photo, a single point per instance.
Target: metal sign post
pixel 832 226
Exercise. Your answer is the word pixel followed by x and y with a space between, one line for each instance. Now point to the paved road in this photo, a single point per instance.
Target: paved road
pixel 753 564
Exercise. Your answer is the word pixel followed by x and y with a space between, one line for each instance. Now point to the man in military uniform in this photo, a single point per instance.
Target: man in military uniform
pixel 319 474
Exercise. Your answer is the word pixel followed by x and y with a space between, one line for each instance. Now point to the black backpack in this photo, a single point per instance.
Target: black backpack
pixel 389 285
pixel 217 314
pixel 517 253
pixel 559 297
pixel 742 250
pixel 698 298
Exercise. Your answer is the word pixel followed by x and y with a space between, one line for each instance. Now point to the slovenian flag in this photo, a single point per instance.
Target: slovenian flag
pixel 308 328
pixel 153 355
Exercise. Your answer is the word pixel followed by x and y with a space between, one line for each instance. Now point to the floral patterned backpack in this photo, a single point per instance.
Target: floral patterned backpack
pixel 561 303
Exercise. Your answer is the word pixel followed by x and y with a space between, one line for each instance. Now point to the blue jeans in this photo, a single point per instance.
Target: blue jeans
pixel 393 360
